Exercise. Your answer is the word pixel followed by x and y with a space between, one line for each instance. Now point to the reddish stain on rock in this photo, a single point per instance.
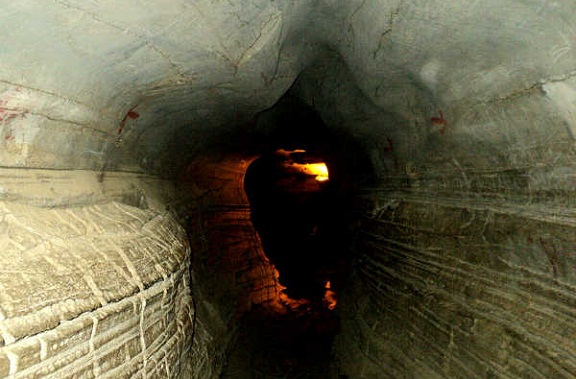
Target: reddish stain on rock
pixel 6 113
pixel 132 114
pixel 439 122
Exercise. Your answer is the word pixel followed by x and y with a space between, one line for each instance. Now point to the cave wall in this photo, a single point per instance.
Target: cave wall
pixel 97 101
pixel 464 264
pixel 94 284
pixel 459 287
pixel 119 86
pixel 464 261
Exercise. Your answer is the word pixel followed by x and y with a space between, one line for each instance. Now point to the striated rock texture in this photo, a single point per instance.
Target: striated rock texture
pixel 464 253
pixel 461 284
pixel 94 291
pixel 112 289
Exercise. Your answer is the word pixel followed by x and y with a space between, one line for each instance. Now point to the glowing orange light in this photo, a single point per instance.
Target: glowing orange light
pixel 287 153
pixel 318 169
pixel 330 300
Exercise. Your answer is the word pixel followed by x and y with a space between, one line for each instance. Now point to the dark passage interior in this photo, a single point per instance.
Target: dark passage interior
pixel 299 191
pixel 294 215
pixel 299 194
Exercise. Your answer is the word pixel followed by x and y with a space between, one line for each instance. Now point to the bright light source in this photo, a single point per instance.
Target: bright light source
pixel 318 169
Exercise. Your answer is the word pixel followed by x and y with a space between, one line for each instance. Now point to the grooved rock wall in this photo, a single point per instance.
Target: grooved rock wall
pixel 92 85
pixel 229 259
pixel 466 108
pixel 462 284
pixel 97 280
pixel 94 291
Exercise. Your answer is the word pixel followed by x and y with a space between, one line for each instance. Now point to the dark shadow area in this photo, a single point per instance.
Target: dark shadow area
pixel 303 217
pixel 303 222
pixel 293 345
pixel 300 218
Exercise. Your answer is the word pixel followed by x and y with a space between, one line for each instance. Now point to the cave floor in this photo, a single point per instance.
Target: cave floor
pixel 295 345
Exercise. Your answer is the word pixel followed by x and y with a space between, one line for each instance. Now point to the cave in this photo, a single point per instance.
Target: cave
pixel 161 216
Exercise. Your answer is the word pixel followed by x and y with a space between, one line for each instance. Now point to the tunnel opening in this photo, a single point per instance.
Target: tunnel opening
pixel 300 190
pixel 296 212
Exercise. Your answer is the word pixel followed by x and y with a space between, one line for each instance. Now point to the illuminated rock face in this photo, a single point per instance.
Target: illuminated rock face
pixel 299 220
pixel 463 221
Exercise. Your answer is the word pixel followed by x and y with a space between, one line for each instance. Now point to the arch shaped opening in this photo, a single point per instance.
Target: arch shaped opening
pixel 265 176
pixel 297 211
pixel 300 190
